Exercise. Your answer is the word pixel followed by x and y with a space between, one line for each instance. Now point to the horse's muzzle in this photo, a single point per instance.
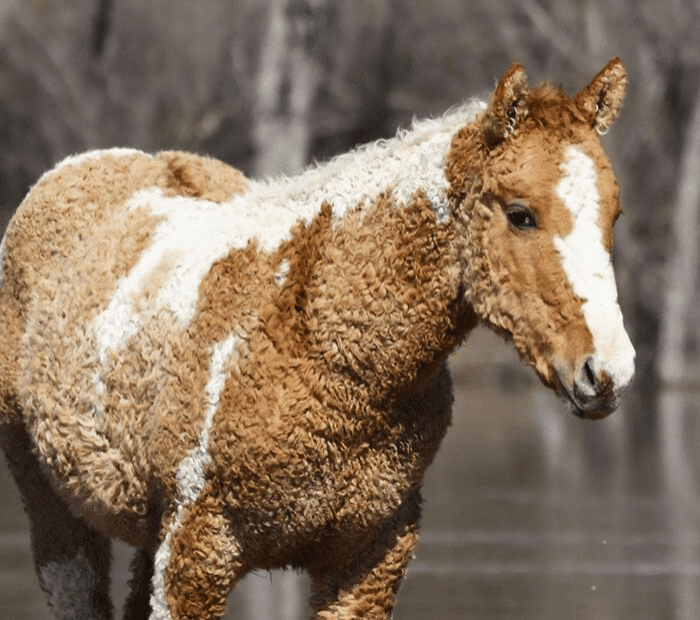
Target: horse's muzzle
pixel 589 395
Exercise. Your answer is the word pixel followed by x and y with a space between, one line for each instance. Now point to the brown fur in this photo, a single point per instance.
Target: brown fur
pixel 335 395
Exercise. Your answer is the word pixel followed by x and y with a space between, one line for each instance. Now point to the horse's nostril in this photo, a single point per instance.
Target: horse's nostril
pixel 588 374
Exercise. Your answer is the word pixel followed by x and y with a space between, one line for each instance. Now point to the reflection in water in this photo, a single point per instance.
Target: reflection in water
pixel 530 513
pixel 678 449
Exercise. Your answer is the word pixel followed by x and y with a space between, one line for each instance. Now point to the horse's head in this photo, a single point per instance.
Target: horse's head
pixel 539 199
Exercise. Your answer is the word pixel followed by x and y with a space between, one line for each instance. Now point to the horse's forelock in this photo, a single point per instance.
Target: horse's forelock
pixel 548 107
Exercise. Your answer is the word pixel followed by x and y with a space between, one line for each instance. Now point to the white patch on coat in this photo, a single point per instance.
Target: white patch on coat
pixel 69 586
pixel 195 233
pixel 588 266
pixel 414 160
pixel 190 474
pixel 191 237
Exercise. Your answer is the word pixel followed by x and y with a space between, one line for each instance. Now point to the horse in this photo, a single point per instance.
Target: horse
pixel 234 375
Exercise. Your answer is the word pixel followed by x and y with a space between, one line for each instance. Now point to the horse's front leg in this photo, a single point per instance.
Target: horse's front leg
pixel 196 565
pixel 366 587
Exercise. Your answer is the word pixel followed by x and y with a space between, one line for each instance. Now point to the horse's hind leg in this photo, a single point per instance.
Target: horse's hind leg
pixel 138 605
pixel 71 558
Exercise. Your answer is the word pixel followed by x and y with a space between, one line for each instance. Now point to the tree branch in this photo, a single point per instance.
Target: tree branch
pixel 559 39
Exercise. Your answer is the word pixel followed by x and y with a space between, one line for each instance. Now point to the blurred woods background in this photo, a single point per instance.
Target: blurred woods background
pixel 269 85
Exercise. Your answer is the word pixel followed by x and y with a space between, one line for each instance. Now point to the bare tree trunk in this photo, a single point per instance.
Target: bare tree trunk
pixel 287 82
pixel 102 26
pixel 682 269
pixel 675 415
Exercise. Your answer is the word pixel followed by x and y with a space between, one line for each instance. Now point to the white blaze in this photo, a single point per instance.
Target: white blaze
pixel 589 268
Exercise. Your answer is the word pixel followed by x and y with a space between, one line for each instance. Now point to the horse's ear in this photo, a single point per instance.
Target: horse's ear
pixel 602 99
pixel 507 107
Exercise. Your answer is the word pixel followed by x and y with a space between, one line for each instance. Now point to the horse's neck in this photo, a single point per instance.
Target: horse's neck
pixel 413 160
pixel 385 298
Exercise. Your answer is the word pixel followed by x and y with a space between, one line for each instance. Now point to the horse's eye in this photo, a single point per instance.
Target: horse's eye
pixel 520 217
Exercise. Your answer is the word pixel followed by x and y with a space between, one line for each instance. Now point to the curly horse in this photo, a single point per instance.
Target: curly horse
pixel 234 375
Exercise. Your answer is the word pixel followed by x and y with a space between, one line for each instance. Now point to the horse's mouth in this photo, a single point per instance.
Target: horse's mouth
pixel 585 405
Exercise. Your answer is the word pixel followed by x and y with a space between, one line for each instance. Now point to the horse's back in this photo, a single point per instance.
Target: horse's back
pixel 67 208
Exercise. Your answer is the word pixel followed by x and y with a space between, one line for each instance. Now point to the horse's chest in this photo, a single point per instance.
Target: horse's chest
pixel 319 467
